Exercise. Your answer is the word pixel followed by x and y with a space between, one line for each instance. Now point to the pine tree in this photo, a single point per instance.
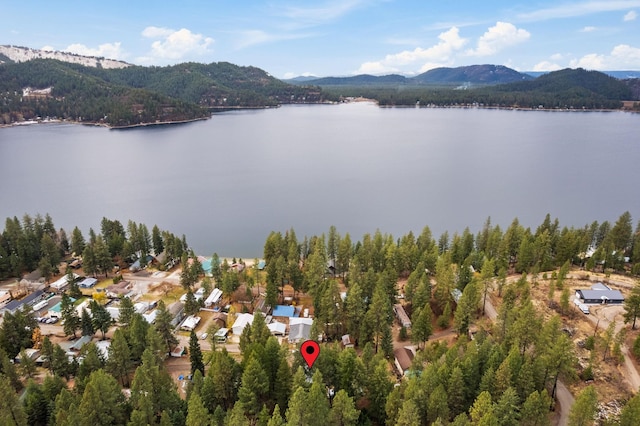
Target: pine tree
pixel 409 414
pixel 102 402
pixel 101 318
pixel 163 326
pixel 11 411
pixel 69 316
pixel 343 411
pixel 126 311
pixel 421 327
pixel 318 404
pixel 86 324
pixel 482 411
pixel 630 415
pixel 197 413
pixel 632 306
pixel 195 354
pixel 507 408
pixel 535 410
pixel 77 242
pixel 136 336
pixel 254 388
pixel 36 406
pixel 276 418
pixel 119 362
pixel 584 409
pixel 296 413
pixel 27 365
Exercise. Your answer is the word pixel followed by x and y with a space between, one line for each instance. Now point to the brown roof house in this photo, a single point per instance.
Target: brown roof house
pixel 122 288
pixel 403 358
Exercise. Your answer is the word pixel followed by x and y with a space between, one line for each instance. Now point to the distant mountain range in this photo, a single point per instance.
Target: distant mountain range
pixel 467 76
pixel 620 75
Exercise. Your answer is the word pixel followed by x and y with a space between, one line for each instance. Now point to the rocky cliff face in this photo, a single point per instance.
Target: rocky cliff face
pixel 22 54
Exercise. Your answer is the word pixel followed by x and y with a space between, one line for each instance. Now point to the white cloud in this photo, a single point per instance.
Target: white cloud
pixel 569 10
pixel 171 45
pixel 630 16
pixel 499 37
pixel 48 48
pixel 106 50
pixel 556 56
pixel 546 66
pixel 437 55
pixel 592 61
pixel 588 29
pixel 622 57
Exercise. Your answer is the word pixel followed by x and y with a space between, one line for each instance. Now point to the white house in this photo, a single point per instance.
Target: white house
pixel 151 316
pixel 62 283
pixel 190 323
pixel 141 307
pixel 299 329
pixel 277 328
pixel 241 322
pixel 213 298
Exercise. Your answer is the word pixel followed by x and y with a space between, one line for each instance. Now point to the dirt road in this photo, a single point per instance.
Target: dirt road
pixel 602 317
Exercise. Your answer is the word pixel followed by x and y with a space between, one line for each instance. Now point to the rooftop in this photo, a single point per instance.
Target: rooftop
pixel 284 311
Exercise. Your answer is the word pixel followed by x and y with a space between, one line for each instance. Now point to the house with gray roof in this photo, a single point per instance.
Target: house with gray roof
pixel 13 306
pixel 299 329
pixel 599 294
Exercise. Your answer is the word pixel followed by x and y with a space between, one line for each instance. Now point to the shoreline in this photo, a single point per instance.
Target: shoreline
pixel 156 123
pixel 357 100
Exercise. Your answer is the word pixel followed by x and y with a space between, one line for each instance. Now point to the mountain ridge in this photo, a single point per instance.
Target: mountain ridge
pixel 23 54
pixel 484 74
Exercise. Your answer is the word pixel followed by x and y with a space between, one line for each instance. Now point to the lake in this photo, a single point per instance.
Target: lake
pixel 228 181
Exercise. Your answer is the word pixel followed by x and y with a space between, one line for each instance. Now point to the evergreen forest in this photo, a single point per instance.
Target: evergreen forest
pixel 138 95
pixel 505 369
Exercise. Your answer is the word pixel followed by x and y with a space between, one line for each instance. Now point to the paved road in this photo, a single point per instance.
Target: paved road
pixel 563 396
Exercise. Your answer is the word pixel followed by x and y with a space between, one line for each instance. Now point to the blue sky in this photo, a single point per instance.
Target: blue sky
pixel 337 37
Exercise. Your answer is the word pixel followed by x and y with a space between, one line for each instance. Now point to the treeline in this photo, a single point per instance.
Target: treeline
pixel 576 89
pixel 34 243
pixel 135 95
pixel 380 258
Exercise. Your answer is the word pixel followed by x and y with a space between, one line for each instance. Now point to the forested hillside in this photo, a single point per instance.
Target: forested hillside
pixel 565 89
pixel 135 95
pixel 217 84
pixel 507 375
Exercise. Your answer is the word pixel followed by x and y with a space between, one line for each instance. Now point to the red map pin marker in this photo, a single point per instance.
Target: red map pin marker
pixel 310 351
